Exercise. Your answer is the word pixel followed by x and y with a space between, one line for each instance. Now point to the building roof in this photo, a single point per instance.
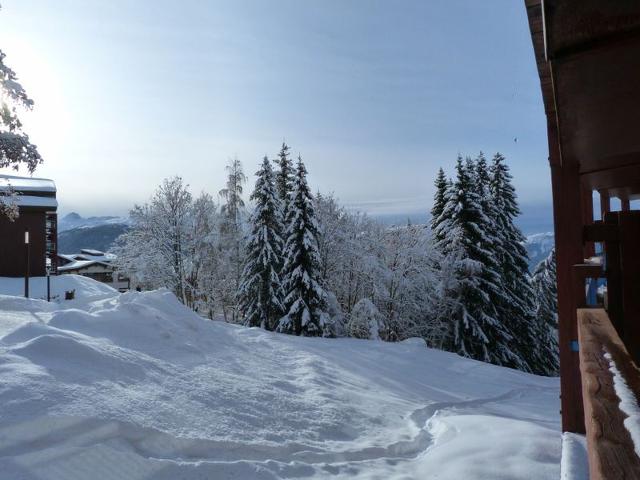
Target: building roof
pixel 27 184
pixel 86 258
pixel 587 57
pixel 29 201
pixel 28 192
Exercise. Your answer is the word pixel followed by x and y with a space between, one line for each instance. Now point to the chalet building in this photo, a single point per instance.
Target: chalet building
pixel 93 264
pixel 37 205
pixel 588 58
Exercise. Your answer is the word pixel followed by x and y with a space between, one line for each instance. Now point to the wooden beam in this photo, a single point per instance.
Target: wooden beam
pixel 600 232
pixel 605 203
pixel 630 281
pixel 610 447
pixel 581 272
pixel 614 278
pixel 625 204
pixel 587 219
pixel 567 218
pixel 588 270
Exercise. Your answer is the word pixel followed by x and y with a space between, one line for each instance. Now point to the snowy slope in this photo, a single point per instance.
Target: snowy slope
pixel 135 386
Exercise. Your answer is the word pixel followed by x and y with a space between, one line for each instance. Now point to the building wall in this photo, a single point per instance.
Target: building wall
pixel 12 248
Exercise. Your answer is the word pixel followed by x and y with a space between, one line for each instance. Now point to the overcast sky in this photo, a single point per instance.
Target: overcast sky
pixel 375 95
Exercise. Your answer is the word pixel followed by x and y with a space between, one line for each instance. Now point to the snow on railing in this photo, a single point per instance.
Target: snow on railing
pixel 628 403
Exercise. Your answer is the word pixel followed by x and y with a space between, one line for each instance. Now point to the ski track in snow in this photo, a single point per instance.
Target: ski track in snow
pixel 135 386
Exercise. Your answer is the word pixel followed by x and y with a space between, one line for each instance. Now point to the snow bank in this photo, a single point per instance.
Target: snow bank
pixel 136 386
pixel 575 462
pixel 86 288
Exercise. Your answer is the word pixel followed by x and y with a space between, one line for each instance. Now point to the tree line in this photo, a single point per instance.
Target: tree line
pixel 300 263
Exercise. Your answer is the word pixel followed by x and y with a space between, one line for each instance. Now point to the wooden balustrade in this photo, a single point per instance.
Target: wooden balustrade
pixel 610 447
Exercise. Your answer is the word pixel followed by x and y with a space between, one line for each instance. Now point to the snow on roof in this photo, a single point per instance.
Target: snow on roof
pixel 90 251
pixel 29 201
pixel 85 259
pixel 27 184
pixel 78 264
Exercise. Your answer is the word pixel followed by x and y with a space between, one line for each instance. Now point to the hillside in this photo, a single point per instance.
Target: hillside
pixel 74 220
pixel 136 386
pixel 98 237
pixel 538 247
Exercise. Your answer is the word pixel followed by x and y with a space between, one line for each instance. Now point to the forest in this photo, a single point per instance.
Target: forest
pixel 297 262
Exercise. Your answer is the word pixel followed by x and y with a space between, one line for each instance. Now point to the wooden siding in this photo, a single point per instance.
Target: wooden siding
pixel 12 249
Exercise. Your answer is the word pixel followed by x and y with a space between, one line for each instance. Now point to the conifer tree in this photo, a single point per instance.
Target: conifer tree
pixel 483 187
pixel 513 261
pixel 439 201
pixel 304 297
pixel 260 287
pixel 543 282
pixel 477 332
pixel 284 177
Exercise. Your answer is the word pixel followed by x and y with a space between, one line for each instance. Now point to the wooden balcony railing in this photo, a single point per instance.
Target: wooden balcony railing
pixel 611 449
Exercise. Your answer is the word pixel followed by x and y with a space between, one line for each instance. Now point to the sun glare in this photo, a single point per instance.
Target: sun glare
pixel 47 123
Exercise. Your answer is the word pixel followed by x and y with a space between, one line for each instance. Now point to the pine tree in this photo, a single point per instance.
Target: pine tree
pixel 513 261
pixel 304 297
pixel 476 330
pixel 260 290
pixel 284 177
pixel 543 282
pixel 439 201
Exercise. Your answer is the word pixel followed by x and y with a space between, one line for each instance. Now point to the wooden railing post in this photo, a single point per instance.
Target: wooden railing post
pixel 629 223
pixel 625 204
pixel 567 219
pixel 587 218
pixel 605 203
pixel 614 288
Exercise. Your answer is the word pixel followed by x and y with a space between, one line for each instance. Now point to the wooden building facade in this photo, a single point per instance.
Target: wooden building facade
pixel 588 59
pixel 37 205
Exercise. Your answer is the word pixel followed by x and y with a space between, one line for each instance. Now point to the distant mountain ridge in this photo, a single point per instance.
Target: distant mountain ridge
pixel 99 233
pixel 74 220
pixel 538 246
pixel 76 232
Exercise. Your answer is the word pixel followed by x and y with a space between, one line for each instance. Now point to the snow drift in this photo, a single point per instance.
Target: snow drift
pixel 136 386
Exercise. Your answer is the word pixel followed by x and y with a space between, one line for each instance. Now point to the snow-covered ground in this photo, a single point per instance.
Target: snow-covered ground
pixel 135 386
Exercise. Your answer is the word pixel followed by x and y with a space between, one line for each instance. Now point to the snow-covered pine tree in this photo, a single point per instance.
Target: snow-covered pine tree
pixel 284 177
pixel 543 282
pixel 366 321
pixel 15 147
pixel 304 296
pixel 260 292
pixel 439 201
pixel 511 310
pixel 514 267
pixel 477 332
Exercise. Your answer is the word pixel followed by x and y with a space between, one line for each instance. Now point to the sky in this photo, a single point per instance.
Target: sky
pixel 375 95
